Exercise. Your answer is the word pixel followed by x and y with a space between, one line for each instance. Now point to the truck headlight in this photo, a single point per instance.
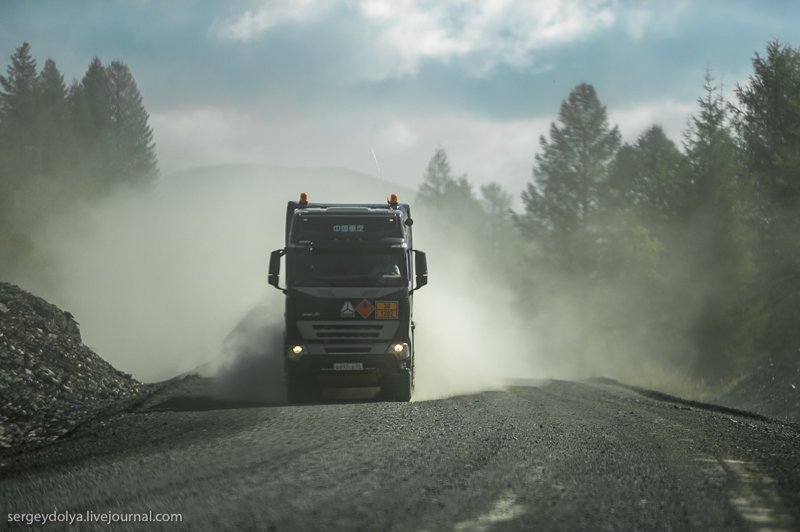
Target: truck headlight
pixel 399 350
pixel 296 351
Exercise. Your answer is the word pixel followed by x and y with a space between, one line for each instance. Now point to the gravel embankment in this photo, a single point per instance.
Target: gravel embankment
pixel 50 382
pixel 773 389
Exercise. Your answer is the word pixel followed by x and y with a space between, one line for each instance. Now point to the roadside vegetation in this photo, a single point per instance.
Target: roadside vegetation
pixel 662 262
pixel 62 146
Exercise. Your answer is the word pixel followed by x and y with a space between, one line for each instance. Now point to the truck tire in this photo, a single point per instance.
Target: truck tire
pixel 298 391
pixel 398 388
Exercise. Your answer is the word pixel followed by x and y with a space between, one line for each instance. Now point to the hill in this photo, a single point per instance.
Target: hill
pixel 327 184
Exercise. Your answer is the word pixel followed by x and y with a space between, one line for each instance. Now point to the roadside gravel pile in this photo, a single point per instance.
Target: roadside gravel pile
pixel 49 381
pixel 773 389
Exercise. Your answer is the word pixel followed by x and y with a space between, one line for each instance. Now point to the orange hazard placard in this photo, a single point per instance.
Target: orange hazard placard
pixel 386 310
pixel 365 308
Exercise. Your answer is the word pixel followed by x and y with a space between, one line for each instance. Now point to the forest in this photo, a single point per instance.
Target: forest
pixel 62 147
pixel 687 255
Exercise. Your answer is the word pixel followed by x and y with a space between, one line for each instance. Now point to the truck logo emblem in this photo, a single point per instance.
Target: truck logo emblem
pixel 347 310
pixel 365 308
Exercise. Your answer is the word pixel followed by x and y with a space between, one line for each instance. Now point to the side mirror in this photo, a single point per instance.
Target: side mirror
pixel 421 268
pixel 275 268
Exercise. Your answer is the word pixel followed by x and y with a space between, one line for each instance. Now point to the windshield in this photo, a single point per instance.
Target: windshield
pixel 349 268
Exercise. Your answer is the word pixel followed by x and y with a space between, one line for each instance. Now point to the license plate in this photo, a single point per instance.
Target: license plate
pixel 347 366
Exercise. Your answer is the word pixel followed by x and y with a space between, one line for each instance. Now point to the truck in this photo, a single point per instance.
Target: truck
pixel 351 271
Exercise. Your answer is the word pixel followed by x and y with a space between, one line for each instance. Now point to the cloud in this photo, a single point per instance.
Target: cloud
pixel 671 114
pixel 252 23
pixel 398 133
pixel 493 32
pixel 407 32
pixel 650 17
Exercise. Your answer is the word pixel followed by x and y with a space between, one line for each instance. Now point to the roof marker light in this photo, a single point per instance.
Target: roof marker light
pixel 393 201
pixel 303 198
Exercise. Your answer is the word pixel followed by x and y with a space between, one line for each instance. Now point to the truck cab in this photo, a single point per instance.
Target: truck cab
pixel 350 274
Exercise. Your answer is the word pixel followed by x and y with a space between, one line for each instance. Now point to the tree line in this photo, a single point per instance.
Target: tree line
pixel 62 146
pixel 694 248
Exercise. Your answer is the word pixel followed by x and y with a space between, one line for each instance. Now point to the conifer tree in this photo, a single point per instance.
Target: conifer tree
pixel 768 121
pixel 441 190
pixel 438 179
pixel 60 147
pixel 134 149
pixel 94 100
pixel 90 105
pixel 769 124
pixel 718 241
pixel 17 111
pixel 53 128
pixel 649 177
pixel 19 155
pixel 570 180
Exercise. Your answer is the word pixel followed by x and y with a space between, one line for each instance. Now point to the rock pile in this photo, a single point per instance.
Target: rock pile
pixel 773 389
pixel 49 381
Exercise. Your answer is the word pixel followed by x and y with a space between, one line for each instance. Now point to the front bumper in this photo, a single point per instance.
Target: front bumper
pixel 324 364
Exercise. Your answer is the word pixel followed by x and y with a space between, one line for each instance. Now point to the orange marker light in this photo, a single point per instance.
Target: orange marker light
pixel 303 198
pixel 393 200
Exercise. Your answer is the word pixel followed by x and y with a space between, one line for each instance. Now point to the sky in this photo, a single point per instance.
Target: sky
pixel 378 85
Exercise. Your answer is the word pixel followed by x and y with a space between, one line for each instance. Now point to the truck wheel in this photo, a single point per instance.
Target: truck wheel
pixel 399 388
pixel 298 391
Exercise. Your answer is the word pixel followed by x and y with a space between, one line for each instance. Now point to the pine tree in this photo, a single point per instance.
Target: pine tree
pixel 768 121
pixel 135 159
pixel 17 94
pixel 499 233
pixel 649 177
pixel 53 128
pixel 90 106
pixel 94 97
pixel 769 124
pixel 17 112
pixel 718 241
pixel 647 193
pixel 570 179
pixel 437 181
pixel 19 155
pixel 452 206
pixel 649 189
pixel 496 201
pixel 442 191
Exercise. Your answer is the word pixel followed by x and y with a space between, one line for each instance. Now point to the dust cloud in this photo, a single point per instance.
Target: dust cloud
pixel 250 367
pixel 479 329
pixel 158 281
pixel 174 280
pixel 469 332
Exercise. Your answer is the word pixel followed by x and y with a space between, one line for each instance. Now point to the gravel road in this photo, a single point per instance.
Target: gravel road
pixel 561 455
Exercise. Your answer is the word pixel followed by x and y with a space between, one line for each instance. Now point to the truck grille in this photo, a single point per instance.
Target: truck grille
pixel 347 350
pixel 347 331
pixel 338 331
